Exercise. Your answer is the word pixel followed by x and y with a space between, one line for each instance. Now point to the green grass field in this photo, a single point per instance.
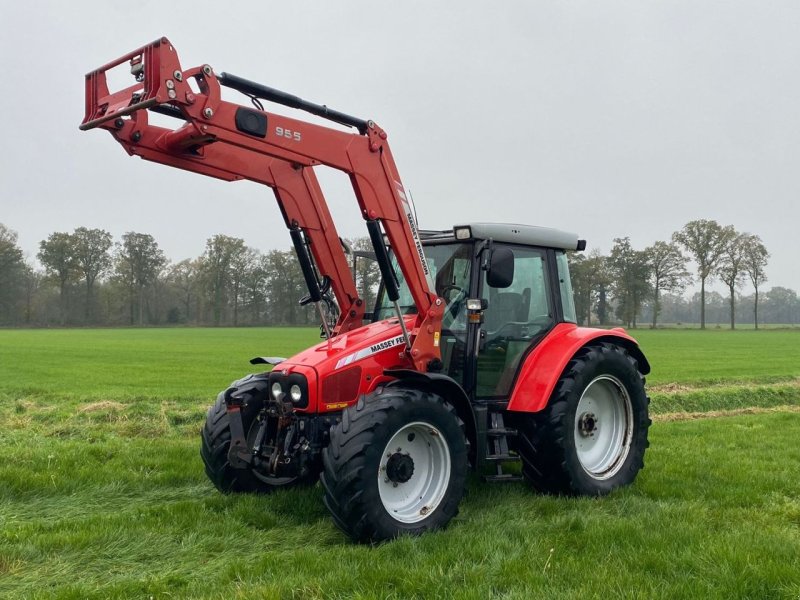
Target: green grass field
pixel 102 492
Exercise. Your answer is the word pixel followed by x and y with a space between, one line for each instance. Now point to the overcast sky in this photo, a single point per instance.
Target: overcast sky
pixel 610 119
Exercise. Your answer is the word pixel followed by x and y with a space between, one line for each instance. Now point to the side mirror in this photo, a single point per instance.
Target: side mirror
pixel 501 267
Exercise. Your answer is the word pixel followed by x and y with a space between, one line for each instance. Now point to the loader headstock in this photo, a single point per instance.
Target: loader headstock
pixel 159 84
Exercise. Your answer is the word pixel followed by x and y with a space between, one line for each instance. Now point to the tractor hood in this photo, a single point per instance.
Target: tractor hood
pixel 351 364
pixel 355 346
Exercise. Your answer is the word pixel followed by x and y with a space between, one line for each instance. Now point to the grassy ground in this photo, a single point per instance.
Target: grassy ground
pixel 102 492
pixel 721 370
pixel 137 363
pixel 701 358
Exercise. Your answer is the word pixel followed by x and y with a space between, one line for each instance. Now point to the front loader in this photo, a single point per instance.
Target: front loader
pixel 470 359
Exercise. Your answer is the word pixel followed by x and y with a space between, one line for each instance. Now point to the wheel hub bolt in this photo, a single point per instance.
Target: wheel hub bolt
pixel 587 424
pixel 399 468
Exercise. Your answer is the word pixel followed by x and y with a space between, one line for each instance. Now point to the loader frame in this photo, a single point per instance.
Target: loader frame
pixel 230 142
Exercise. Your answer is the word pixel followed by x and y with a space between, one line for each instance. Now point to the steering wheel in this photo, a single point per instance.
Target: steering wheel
pixel 453 301
pixel 453 296
pixel 449 289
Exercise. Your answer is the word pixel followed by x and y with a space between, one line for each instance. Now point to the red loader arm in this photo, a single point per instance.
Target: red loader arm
pixel 230 142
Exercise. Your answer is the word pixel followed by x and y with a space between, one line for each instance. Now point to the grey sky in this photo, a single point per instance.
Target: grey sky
pixel 606 118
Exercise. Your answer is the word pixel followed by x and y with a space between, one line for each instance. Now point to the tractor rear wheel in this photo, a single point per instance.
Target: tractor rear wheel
pixel 396 464
pixel 592 436
pixel 216 440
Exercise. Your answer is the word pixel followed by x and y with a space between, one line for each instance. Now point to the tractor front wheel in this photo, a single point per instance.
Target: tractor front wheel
pixel 216 440
pixel 592 436
pixel 396 464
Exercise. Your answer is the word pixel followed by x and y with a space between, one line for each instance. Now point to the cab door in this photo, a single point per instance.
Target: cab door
pixel 516 318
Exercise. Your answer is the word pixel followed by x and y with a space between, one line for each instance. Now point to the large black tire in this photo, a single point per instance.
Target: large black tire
pixel 376 492
pixel 592 436
pixel 216 440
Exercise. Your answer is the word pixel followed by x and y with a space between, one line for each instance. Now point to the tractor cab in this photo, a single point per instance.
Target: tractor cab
pixel 504 287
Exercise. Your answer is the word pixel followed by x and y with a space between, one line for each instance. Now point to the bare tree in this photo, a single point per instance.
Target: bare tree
pixel 91 260
pixel 57 254
pixel 755 261
pixel 731 270
pixel 667 272
pixel 706 241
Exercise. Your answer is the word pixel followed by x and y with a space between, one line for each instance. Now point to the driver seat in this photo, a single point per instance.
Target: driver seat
pixel 504 307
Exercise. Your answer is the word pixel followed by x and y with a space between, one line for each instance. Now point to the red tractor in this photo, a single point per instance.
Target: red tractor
pixel 470 357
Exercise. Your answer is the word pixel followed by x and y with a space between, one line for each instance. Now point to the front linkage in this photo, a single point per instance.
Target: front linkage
pixel 253 440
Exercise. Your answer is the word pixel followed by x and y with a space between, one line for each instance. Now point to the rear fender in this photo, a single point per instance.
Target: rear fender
pixel 542 368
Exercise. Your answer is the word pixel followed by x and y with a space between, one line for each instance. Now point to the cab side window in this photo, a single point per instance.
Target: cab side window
pixel 515 317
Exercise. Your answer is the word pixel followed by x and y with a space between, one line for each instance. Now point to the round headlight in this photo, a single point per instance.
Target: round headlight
pixel 277 390
pixel 296 393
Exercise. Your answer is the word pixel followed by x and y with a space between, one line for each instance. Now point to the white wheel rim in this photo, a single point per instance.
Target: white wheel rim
pixel 410 496
pixel 603 427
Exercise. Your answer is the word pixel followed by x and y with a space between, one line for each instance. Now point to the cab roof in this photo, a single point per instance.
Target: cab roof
pixel 510 233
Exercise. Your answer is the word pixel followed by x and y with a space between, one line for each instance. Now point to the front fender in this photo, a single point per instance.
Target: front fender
pixel 447 388
pixel 543 366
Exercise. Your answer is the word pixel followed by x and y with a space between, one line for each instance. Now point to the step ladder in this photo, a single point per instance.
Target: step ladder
pixel 497 451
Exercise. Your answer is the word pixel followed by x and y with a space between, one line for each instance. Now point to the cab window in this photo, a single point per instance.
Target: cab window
pixel 516 317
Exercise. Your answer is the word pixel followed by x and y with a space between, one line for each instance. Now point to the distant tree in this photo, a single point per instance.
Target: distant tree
pixel 630 279
pixel 716 307
pixel 12 274
pixel 667 266
pixel 221 251
pixel 139 262
pixel 581 289
pixel 367 274
pixel 706 241
pixel 782 305
pixel 744 307
pixel 731 271
pixel 184 278
pixel 675 308
pixel 92 260
pixel 32 283
pixel 602 280
pixel 242 263
pixel 254 289
pixel 285 286
pixel 590 281
pixel 57 254
pixel 755 261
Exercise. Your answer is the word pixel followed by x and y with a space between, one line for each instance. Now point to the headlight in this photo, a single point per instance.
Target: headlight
pixel 284 387
pixel 296 393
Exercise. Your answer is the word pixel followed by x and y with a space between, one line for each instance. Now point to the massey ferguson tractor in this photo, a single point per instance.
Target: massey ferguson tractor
pixel 470 359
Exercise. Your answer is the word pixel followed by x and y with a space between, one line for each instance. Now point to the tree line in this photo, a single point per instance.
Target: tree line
pixel 86 278
pixel 628 284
